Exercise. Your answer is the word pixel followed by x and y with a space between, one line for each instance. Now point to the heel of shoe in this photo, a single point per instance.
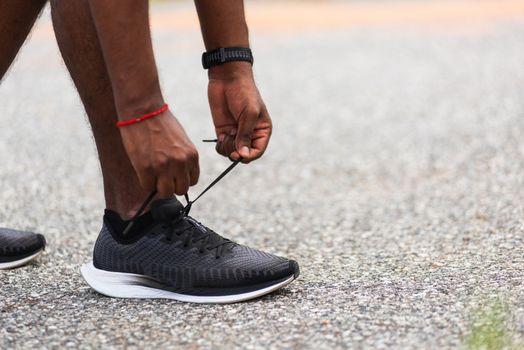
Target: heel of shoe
pixel 118 284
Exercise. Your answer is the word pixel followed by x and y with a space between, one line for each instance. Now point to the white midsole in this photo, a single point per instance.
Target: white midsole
pixel 127 285
pixel 17 263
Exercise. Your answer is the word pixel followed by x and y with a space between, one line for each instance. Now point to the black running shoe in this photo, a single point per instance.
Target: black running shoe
pixel 17 248
pixel 168 254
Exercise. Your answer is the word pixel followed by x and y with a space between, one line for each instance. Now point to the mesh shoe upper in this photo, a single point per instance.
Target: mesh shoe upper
pixel 18 244
pixel 174 256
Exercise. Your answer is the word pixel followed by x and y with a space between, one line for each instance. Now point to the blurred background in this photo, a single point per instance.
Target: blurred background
pixel 395 177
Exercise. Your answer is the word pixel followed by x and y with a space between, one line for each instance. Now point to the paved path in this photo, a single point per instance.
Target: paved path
pixel 395 177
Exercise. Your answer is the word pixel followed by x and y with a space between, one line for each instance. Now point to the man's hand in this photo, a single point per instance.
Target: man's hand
pixel 242 122
pixel 163 156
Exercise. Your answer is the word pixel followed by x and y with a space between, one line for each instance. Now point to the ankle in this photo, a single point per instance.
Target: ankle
pixel 125 207
pixel 123 195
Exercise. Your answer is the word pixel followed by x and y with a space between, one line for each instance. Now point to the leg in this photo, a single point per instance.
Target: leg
pixel 160 151
pixel 17 248
pixel 16 20
pixel 80 48
pixel 165 245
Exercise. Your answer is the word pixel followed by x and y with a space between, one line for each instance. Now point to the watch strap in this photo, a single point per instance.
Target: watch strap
pixel 226 54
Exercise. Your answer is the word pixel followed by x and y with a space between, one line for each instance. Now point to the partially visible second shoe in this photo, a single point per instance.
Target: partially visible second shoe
pixel 17 248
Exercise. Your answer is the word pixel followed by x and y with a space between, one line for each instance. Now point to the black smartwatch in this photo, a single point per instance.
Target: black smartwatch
pixel 226 54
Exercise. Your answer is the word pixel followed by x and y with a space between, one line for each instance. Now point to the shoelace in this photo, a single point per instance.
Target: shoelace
pixel 187 239
pixel 209 240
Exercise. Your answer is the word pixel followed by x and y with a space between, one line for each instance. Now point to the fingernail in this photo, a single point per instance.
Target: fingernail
pixel 233 132
pixel 221 137
pixel 244 151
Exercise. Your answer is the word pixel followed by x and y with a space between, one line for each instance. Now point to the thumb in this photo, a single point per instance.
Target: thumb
pixel 246 126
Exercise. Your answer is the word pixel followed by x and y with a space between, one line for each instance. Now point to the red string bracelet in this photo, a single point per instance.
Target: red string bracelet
pixel 144 117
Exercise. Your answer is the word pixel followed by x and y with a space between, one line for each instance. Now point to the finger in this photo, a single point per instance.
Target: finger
pixel 165 185
pixel 220 139
pixel 259 145
pixel 261 136
pixel 181 175
pixel 181 182
pixel 194 174
pixel 220 148
pixel 226 146
pixel 246 126
pixel 234 156
pixel 193 166
pixel 253 155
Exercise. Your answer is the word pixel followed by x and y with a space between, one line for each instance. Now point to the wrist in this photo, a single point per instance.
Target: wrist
pixel 134 107
pixel 137 95
pixel 231 70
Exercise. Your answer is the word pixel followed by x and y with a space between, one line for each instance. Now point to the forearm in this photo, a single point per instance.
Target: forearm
pixel 123 30
pixel 223 24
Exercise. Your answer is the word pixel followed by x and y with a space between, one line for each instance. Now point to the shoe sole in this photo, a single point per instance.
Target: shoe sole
pixel 18 263
pixel 128 285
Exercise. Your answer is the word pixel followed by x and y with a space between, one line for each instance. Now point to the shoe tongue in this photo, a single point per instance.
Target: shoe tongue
pixel 167 210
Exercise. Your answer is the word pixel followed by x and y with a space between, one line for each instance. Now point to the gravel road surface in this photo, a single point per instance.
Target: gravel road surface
pixel 395 177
